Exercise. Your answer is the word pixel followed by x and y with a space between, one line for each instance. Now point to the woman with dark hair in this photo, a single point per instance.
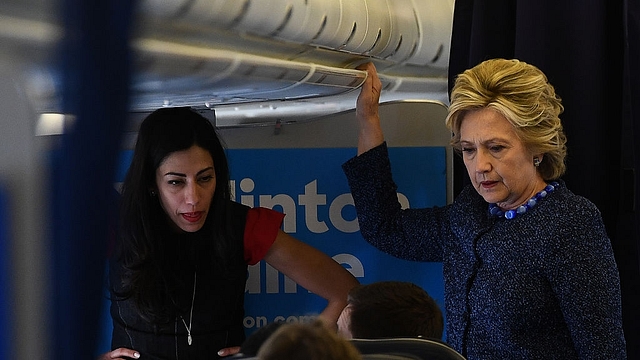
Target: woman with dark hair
pixel 178 275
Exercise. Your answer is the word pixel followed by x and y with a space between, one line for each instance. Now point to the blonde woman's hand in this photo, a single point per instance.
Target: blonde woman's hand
pixel 370 132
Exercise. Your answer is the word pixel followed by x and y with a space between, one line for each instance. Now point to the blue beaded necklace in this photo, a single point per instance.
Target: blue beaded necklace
pixel 510 214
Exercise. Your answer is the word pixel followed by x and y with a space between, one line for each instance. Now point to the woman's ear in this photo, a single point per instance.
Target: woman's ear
pixel 537 159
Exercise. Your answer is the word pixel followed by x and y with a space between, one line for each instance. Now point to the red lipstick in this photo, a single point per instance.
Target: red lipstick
pixel 192 216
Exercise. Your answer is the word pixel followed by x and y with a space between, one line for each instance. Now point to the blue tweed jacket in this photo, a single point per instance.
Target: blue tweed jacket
pixel 543 285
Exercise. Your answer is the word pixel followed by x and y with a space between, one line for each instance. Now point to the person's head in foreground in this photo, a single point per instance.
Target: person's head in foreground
pixel 307 341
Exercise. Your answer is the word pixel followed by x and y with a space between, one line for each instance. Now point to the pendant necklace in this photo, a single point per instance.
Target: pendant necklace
pixel 193 297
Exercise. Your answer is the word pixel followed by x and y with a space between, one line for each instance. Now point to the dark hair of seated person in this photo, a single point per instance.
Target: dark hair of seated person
pixel 388 309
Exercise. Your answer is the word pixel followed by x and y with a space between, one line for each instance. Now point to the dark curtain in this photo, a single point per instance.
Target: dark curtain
pixel 589 51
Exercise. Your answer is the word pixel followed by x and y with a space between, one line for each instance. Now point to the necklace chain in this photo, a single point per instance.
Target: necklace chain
pixel 193 297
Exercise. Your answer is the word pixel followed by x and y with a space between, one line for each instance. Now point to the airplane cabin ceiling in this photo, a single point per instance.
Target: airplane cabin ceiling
pixel 252 61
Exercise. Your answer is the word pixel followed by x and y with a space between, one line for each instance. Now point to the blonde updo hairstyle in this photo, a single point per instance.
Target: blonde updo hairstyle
pixel 522 94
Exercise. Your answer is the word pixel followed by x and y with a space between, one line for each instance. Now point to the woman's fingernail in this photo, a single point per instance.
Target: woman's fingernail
pixel 136 355
pixel 220 352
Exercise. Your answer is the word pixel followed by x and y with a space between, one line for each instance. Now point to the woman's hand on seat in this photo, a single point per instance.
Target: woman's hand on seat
pixel 120 354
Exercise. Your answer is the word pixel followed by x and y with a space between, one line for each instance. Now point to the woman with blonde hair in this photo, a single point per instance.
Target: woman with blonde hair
pixel 529 271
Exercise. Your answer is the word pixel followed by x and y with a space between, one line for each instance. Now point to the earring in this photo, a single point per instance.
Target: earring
pixel 536 161
pixel 153 193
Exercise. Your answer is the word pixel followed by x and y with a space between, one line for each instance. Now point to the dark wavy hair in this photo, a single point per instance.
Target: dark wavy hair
pixel 144 227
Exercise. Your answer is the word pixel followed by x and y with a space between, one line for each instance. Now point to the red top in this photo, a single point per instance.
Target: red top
pixel 260 232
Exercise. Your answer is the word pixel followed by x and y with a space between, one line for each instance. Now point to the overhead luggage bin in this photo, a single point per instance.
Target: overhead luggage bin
pixel 307 18
pixel 213 53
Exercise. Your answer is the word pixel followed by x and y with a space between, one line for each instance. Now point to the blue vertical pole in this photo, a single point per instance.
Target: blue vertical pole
pixel 94 60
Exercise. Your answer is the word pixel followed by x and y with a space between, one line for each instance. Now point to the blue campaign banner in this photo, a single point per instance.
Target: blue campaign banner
pixel 309 186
